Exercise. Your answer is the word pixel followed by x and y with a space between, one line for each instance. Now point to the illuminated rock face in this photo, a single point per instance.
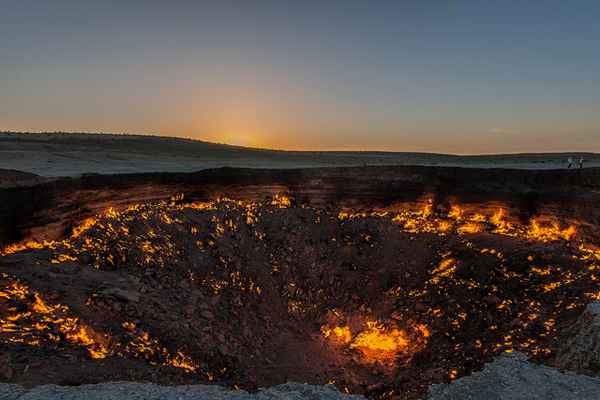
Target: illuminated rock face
pixel 580 348
pixel 48 210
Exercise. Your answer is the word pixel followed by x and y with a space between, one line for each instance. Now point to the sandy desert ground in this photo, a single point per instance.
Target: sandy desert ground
pixel 380 280
pixel 68 154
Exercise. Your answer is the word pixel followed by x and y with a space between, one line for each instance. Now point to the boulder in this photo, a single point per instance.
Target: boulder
pixel 511 377
pixel 580 347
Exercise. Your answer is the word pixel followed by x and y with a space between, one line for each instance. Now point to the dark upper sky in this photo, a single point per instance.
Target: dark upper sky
pixel 443 76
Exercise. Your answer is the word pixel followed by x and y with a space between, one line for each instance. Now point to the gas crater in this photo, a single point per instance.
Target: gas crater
pixel 383 302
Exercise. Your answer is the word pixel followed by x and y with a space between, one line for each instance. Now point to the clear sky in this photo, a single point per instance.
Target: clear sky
pixel 424 75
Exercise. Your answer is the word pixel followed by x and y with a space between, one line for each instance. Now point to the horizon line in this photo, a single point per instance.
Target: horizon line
pixel 274 149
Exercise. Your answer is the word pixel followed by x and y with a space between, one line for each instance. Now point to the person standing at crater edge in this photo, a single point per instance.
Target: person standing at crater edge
pixel 581 163
pixel 569 162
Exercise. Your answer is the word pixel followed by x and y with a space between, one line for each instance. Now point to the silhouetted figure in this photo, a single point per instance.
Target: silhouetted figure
pixel 570 162
pixel 581 163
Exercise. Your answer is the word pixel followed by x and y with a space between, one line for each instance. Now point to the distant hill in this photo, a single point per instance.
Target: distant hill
pixel 68 154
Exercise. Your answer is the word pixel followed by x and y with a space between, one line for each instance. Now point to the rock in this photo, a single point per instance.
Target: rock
pixel 11 392
pixel 121 294
pixel 580 348
pixel 512 377
pixel 491 300
pixel 148 391
pixel 374 387
pixel 53 296
pixel 6 372
pixel 86 259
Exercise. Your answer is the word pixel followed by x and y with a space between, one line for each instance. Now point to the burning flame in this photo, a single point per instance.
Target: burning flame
pixel 550 232
pixel 469 227
pixel 281 201
pixel 340 333
pixel 498 220
pixel 377 342
pixel 38 323
pixel 41 320
pixel 456 212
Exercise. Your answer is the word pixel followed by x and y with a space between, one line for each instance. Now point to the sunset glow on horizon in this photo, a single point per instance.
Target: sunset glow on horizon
pixel 460 77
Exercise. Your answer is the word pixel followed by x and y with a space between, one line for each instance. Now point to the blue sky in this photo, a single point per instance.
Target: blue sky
pixel 440 76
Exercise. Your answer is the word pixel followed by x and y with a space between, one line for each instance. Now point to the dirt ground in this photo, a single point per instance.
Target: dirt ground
pixel 253 294
pixel 72 154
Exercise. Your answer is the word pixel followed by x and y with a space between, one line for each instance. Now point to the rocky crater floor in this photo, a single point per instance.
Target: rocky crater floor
pixel 509 377
pixel 247 294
